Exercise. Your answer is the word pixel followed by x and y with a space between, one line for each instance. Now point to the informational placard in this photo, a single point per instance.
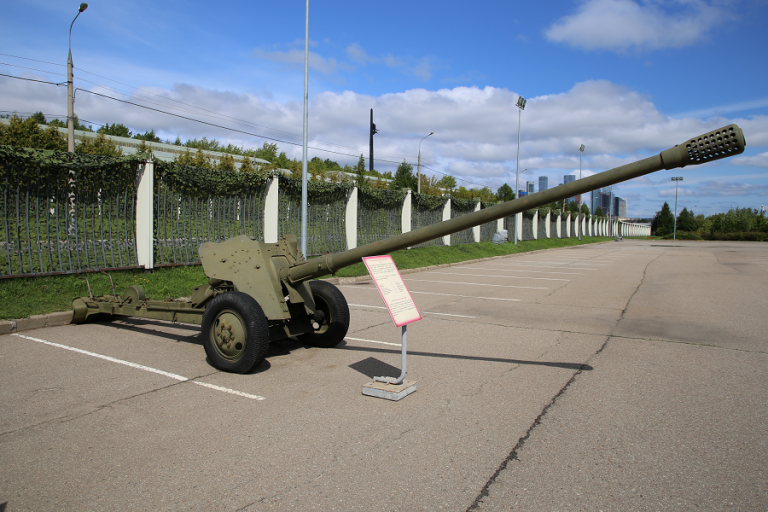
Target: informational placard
pixel 392 289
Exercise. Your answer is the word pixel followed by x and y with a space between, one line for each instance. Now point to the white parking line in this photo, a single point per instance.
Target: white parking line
pixel 536 271
pixel 425 312
pixel 480 284
pixel 142 367
pixel 508 277
pixel 435 293
pixel 550 266
pixel 373 341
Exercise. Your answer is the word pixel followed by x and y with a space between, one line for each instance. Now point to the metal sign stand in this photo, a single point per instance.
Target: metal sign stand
pixel 403 311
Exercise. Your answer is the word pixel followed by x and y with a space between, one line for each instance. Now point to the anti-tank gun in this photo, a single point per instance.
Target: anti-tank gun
pixel 261 292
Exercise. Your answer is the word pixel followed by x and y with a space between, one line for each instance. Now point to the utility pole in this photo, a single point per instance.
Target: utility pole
pixel 370 151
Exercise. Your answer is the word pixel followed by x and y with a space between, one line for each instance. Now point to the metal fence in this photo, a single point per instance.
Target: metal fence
pixel 379 215
pixel 67 216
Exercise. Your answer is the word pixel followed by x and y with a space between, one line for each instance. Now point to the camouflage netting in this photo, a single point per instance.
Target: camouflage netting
pixel 66 213
pixel 461 207
pixel 425 211
pixel 379 214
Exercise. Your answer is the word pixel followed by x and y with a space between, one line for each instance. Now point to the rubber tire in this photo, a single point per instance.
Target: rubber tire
pixel 331 301
pixel 252 321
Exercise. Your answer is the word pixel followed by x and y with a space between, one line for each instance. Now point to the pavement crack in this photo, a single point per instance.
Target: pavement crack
pixel 98 408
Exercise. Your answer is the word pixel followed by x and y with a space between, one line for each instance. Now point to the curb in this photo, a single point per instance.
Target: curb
pixel 35 322
pixel 65 317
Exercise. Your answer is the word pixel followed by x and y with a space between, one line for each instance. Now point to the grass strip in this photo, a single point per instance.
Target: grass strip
pixel 26 296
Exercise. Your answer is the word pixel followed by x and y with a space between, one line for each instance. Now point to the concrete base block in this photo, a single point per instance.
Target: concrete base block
pixel 7 326
pixel 389 391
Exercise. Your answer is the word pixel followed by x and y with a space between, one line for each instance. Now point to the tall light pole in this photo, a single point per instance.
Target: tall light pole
pixel 418 172
pixel 304 170
pixel 581 152
pixel 674 229
pixel 70 89
pixel 520 105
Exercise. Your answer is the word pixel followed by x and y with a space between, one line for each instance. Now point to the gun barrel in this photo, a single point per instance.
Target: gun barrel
pixel 715 145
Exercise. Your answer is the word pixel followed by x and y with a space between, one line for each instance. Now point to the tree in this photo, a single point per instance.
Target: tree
pixel 404 177
pixel 101 145
pixel 227 163
pixel 585 209
pixel 268 152
pixel 247 166
pixel 39 118
pixel 118 130
pixel 145 150
pixel 505 193
pixel 359 169
pixel 149 136
pixel 200 159
pixel 447 182
pixel 663 222
pixel 686 221
pixel 599 212
pixel 63 124
pixel 28 134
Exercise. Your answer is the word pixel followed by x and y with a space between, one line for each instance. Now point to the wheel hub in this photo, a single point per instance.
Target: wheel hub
pixel 229 334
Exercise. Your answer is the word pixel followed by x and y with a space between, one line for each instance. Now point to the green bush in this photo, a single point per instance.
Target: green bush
pixel 746 236
pixel 683 235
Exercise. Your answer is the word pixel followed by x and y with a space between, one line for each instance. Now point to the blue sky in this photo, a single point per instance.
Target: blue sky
pixel 627 78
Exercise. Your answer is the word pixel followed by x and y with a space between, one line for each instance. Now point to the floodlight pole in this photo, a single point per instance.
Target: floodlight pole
pixel 304 171
pixel 70 89
pixel 674 228
pixel 418 172
pixel 578 226
pixel 521 106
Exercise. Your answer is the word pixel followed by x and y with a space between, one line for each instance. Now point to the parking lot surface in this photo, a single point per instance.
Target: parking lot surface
pixel 619 376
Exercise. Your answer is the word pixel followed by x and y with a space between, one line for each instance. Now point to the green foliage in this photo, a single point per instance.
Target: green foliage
pixel 100 145
pixel 118 130
pixel 39 118
pixel 447 183
pixel 148 136
pixel 663 222
pixel 585 210
pixel 208 181
pixel 227 163
pixel 199 159
pixel 505 193
pixel 404 177
pixel 599 212
pixel 683 235
pixel 29 134
pixel 63 124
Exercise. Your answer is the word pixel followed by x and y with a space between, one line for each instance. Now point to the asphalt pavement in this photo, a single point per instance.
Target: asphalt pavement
pixel 618 376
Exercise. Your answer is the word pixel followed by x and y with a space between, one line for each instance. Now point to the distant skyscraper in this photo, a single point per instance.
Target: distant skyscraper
pixel 529 187
pixel 543 183
pixel 620 207
pixel 594 200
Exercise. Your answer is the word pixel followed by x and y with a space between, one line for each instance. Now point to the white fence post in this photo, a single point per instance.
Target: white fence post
pixel 406 216
pixel 519 225
pixel 548 225
pixel 447 216
pixel 476 229
pixel 145 215
pixel 568 226
pixel 535 225
pixel 271 214
pixel 350 223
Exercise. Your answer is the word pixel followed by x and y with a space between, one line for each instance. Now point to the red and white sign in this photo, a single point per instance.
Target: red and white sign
pixel 392 289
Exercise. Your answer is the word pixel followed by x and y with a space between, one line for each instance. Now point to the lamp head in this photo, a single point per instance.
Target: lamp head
pixel 431 133
pixel 582 148
pixel 521 102
pixel 83 6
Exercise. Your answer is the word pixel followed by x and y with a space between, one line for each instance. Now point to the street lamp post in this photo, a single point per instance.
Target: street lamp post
pixel 304 164
pixel 418 171
pixel 520 105
pixel 581 152
pixel 70 89
pixel 674 229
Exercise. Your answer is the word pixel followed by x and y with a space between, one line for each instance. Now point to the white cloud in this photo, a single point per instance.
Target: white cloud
pixel 621 25
pixel 295 57
pixel 358 55
pixel 475 128
pixel 760 160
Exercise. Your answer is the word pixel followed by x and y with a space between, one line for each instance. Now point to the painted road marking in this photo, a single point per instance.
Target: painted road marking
pixel 142 367
pixel 536 271
pixel 435 293
pixel 426 312
pixel 481 284
pixel 373 341
pixel 508 277
pixel 550 266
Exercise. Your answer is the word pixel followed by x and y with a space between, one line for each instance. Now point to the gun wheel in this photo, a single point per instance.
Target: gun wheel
pixel 235 332
pixel 332 322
